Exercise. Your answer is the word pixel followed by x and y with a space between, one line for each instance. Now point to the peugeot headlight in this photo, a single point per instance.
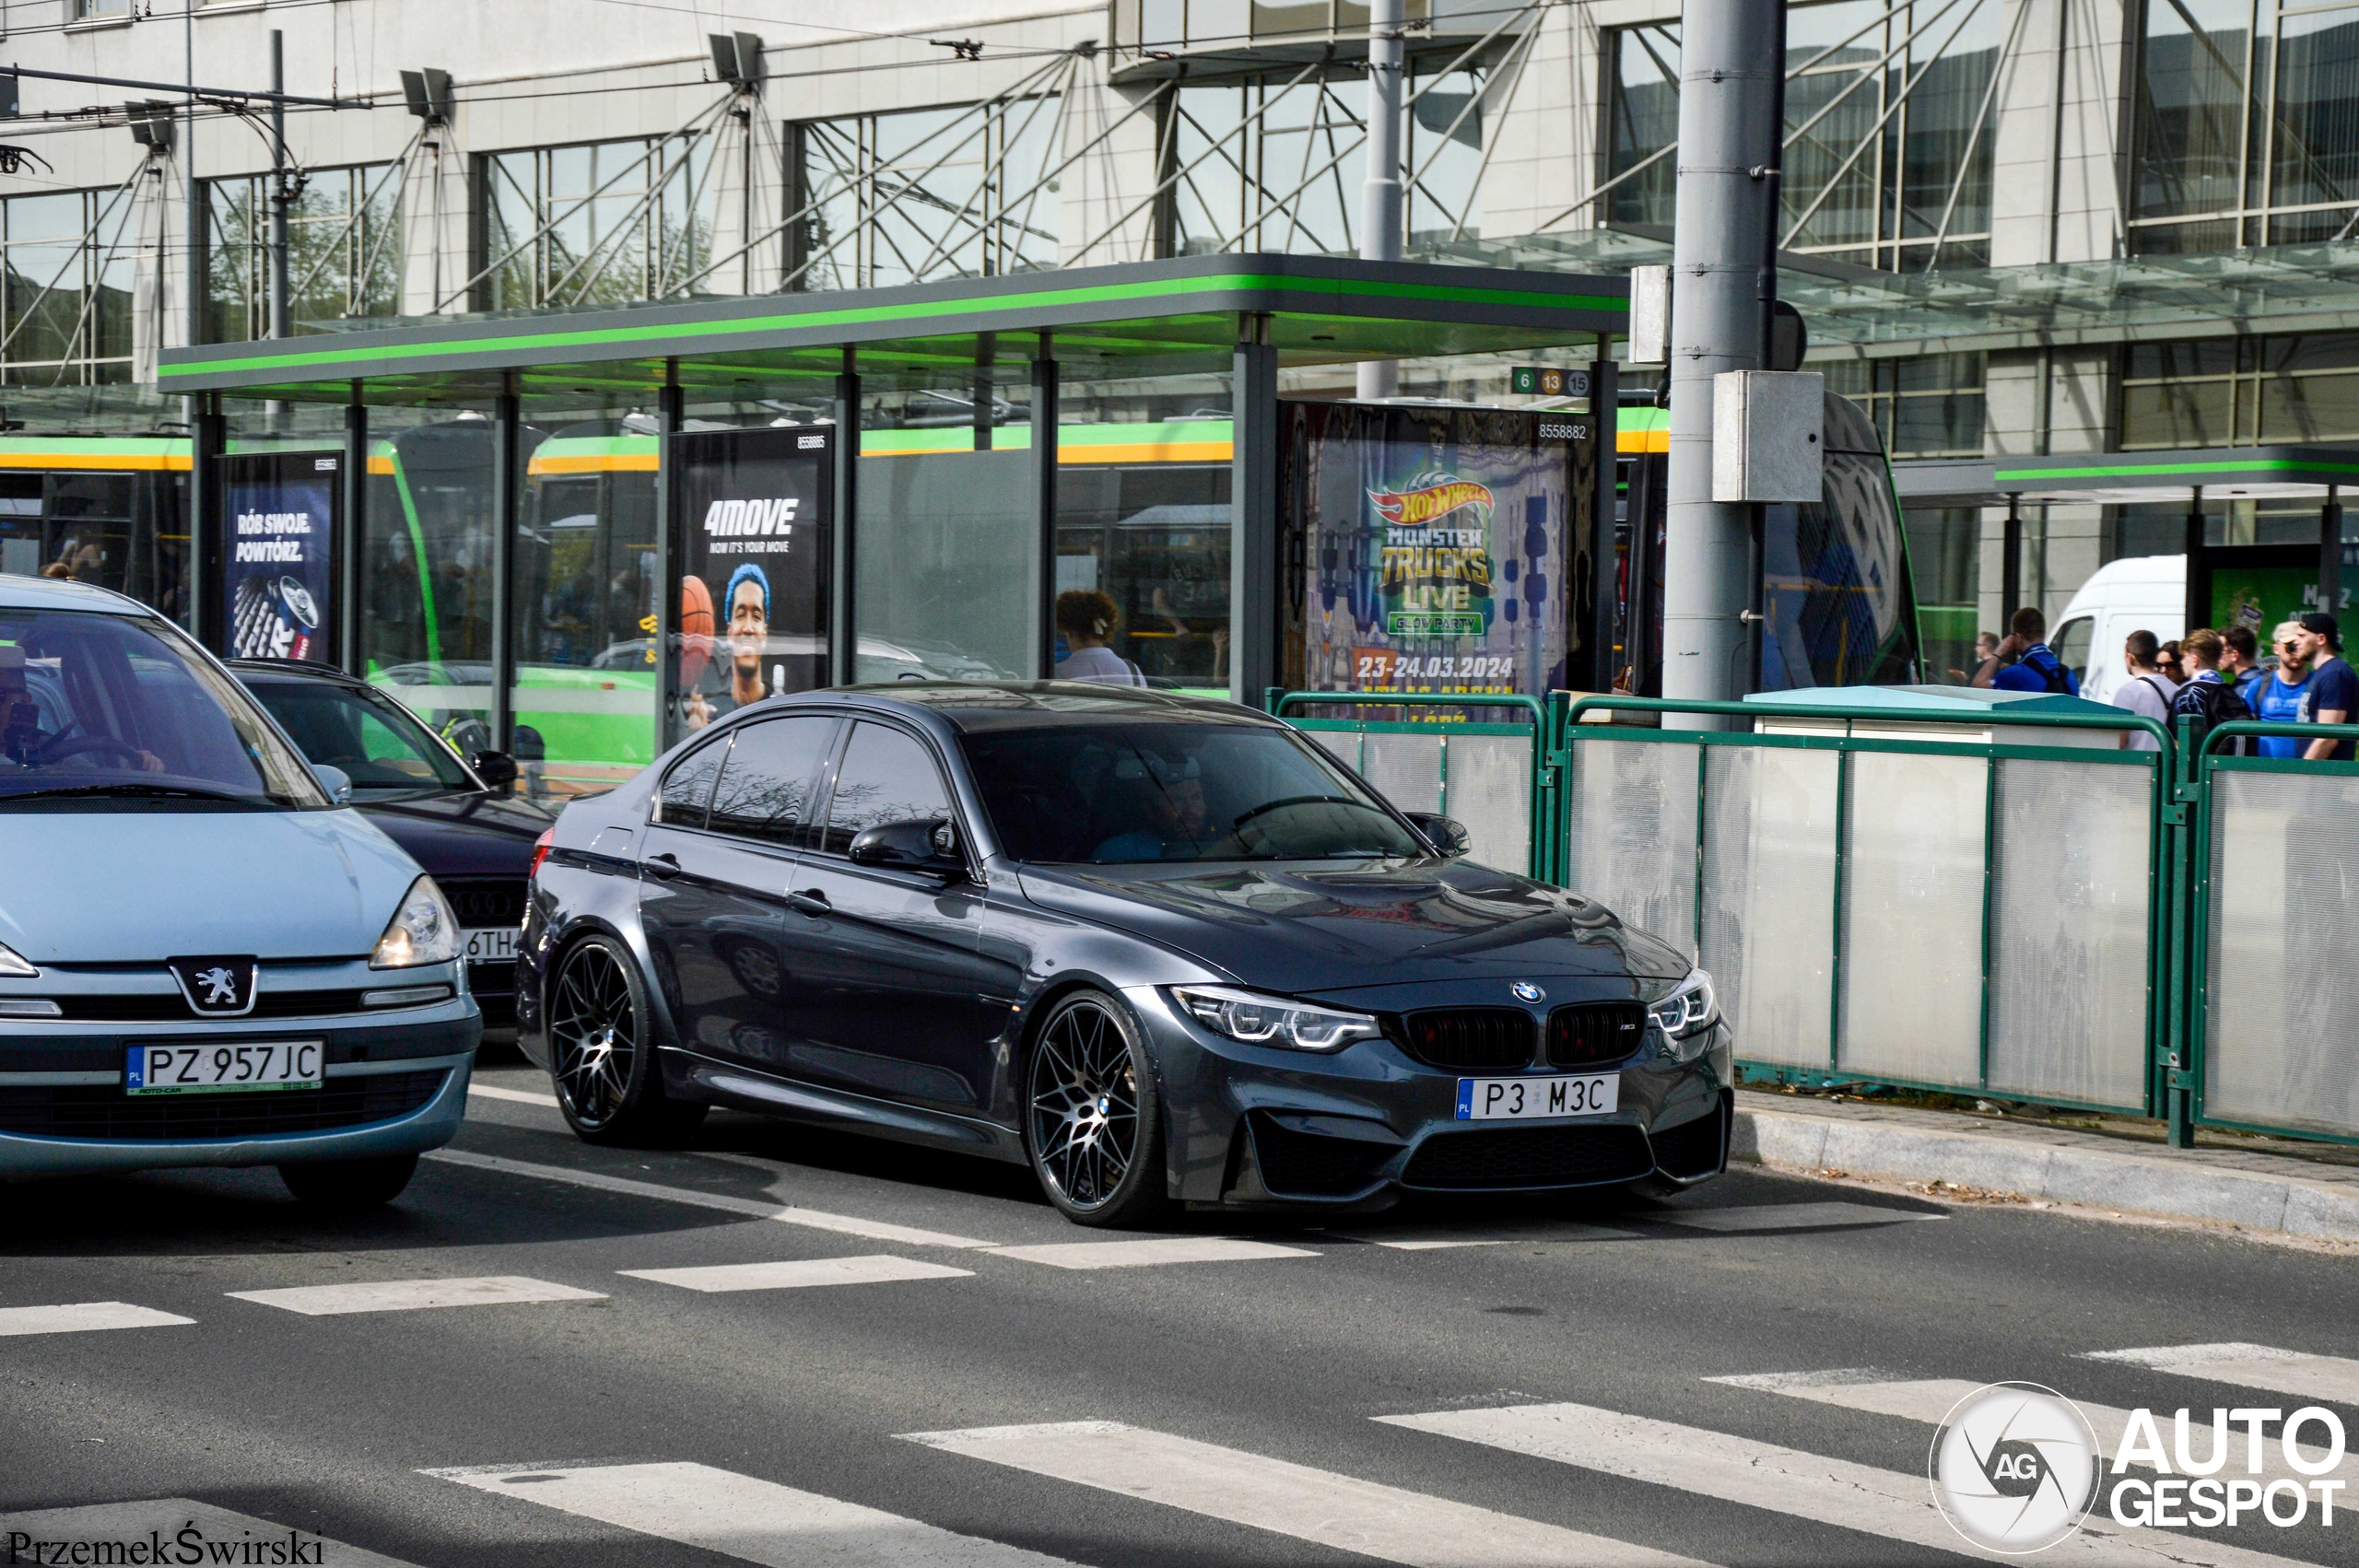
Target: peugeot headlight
pixel 1257 1020
pixel 14 964
pixel 1686 1015
pixel 423 930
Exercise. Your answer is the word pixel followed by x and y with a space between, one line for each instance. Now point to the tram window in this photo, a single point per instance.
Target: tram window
pixel 1155 539
pixel 21 539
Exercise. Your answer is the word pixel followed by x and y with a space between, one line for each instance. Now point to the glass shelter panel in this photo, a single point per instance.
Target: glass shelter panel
pixel 1769 897
pixel 1912 911
pixel 1632 846
pixel 427 572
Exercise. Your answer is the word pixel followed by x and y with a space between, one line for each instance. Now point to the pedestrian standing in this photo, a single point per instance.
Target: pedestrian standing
pixel 2166 659
pixel 2024 663
pixel 2280 695
pixel 2333 697
pixel 2206 697
pixel 2147 692
pixel 2241 660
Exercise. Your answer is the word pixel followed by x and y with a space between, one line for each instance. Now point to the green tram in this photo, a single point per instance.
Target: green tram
pixel 1144 516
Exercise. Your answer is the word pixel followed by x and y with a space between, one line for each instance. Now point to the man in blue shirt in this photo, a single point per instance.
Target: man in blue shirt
pixel 2281 693
pixel 2333 697
pixel 2035 666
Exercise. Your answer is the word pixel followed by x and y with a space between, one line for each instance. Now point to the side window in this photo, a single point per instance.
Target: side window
pixel 766 791
pixel 2072 645
pixel 689 787
pixel 887 777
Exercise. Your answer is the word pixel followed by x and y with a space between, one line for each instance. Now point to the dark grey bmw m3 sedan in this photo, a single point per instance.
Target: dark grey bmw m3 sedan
pixel 1160 949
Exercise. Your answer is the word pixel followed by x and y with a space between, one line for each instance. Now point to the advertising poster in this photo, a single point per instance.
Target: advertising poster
pixel 2262 596
pixel 751 517
pixel 283 509
pixel 1433 545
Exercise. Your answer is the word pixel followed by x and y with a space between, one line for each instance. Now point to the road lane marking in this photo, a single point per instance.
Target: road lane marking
pixel 169 1518
pixel 80 1317
pixel 1148 1254
pixel 2334 1379
pixel 872 1270
pixel 746 1517
pixel 1930 1399
pixel 1787 1216
pixel 1340 1511
pixel 1897 1505
pixel 810 1219
pixel 414 1295
pixel 521 1097
pixel 1442 1237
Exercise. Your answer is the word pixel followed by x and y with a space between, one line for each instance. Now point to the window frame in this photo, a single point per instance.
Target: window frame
pixel 942 773
pixel 823 779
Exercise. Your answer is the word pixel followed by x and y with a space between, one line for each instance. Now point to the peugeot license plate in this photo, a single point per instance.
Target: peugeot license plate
pixel 220 1070
pixel 492 944
pixel 1532 1099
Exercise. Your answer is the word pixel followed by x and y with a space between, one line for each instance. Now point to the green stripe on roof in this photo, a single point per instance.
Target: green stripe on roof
pixel 2140 471
pixel 910 310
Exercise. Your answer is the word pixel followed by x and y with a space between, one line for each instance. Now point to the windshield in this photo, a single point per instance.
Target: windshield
pixel 95 706
pixel 385 751
pixel 1127 791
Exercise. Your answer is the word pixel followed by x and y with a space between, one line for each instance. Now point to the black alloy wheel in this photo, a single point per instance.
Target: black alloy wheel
pixel 1092 1122
pixel 602 1058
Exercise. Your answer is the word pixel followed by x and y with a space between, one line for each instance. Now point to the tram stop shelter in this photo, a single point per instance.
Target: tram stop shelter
pixel 1039 379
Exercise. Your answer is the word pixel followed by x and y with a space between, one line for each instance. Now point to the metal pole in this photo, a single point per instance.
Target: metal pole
pixel 350 539
pixel 986 350
pixel 1732 64
pixel 508 454
pixel 2331 552
pixel 1253 537
pixel 669 557
pixel 843 557
pixel 1772 173
pixel 198 230
pixel 208 619
pixel 1044 471
pixel 2199 585
pixel 277 185
pixel 1381 191
pixel 2011 563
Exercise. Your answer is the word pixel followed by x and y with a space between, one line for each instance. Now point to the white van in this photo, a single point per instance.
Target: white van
pixel 2122 597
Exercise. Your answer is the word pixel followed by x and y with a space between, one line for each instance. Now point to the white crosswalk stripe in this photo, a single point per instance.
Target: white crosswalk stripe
pixel 515 1096
pixel 1149 1254
pixel 1437 1238
pixel 81 1317
pixel 874 1269
pixel 752 1208
pixel 1896 1504
pixel 188 1530
pixel 744 1516
pixel 414 1295
pixel 1340 1511
pixel 1790 1216
pixel 2333 1379
pixel 1930 1400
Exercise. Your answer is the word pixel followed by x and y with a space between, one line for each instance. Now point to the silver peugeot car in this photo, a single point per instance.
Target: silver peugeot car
pixel 206 957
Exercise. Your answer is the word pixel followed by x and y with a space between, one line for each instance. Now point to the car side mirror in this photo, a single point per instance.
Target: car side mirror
pixel 335 781
pixel 927 845
pixel 496 768
pixel 1447 835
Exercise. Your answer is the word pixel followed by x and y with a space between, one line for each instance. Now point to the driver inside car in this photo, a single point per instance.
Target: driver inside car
pixel 1171 790
pixel 23 740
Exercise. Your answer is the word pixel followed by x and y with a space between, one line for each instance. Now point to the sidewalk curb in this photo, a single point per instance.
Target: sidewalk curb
pixel 2123 1182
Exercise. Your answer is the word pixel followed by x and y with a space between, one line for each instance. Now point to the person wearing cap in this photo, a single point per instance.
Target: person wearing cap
pixel 2280 694
pixel 2333 697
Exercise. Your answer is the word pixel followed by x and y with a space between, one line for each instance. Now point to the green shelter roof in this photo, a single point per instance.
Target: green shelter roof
pixel 1140 318
pixel 2140 478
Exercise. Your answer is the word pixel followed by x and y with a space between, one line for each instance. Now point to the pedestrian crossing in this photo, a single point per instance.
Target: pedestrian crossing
pixel 82 1317
pixel 874 1269
pixel 2333 1379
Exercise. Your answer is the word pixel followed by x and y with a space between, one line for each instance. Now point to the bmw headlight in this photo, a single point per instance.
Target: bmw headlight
pixel 1686 1016
pixel 1257 1020
pixel 423 930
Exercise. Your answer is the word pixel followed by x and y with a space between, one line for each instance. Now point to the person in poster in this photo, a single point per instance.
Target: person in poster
pixel 282 529
pixel 748 598
pixel 753 505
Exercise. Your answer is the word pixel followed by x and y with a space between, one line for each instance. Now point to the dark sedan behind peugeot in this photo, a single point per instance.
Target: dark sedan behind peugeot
pixel 1159 949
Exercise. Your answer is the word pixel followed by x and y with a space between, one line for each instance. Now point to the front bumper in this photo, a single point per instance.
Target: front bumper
pixel 1251 1125
pixel 393 1083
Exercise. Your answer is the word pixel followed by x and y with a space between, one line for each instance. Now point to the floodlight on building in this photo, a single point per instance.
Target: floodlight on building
pixel 737 59
pixel 152 124
pixel 428 94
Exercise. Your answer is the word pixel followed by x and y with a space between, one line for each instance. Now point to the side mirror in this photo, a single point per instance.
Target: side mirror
pixel 928 846
pixel 335 781
pixel 1446 835
pixel 497 769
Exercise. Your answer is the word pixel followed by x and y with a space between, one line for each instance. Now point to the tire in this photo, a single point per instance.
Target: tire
pixel 1093 1121
pixel 602 1051
pixel 347 1186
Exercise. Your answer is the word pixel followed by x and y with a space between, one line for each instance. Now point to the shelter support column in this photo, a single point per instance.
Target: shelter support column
pixel 507 448
pixel 843 543
pixel 349 577
pixel 1254 503
pixel 2199 564
pixel 207 536
pixel 1044 473
pixel 2329 551
pixel 670 559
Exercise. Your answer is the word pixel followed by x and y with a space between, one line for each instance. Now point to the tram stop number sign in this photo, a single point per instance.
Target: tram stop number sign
pixel 1547 381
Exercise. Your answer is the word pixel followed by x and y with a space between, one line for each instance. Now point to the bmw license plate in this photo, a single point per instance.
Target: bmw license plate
pixel 221 1070
pixel 1534 1099
pixel 492 944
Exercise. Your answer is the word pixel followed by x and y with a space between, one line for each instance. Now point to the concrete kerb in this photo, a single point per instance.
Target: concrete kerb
pixel 2044 1166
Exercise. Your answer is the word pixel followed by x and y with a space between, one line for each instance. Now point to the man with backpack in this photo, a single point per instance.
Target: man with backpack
pixel 2034 666
pixel 2209 697
pixel 2147 692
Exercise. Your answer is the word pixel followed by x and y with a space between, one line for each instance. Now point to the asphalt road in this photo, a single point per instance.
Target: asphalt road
pixel 502 1369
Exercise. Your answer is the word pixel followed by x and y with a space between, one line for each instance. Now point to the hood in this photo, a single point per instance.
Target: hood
pixel 137 886
pixel 471 834
pixel 1302 929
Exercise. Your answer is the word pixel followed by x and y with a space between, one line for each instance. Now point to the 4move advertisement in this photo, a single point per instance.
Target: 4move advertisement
pixel 283 509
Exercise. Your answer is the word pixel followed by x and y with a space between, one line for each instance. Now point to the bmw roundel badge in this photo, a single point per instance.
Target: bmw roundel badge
pixel 1526 991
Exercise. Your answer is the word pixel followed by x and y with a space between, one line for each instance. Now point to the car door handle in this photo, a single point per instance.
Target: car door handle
pixel 811 901
pixel 665 866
